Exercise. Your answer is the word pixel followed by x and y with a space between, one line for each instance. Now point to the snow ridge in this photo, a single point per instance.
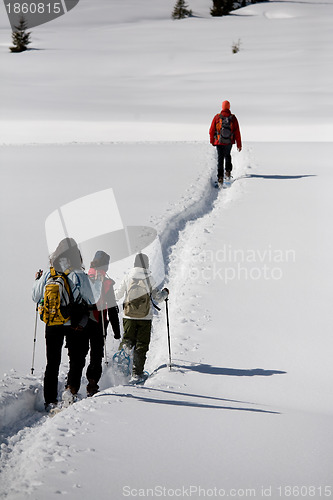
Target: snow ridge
pixel 183 236
pixel 198 201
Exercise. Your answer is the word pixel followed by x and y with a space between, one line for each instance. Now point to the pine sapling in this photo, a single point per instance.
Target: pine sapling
pixel 181 10
pixel 221 7
pixel 20 37
pixel 236 46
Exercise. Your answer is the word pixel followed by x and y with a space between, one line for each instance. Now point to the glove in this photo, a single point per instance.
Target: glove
pixel 166 290
pixel 117 336
pixel 38 275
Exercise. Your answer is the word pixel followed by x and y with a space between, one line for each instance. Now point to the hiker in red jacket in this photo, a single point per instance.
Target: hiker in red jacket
pixel 101 314
pixel 224 132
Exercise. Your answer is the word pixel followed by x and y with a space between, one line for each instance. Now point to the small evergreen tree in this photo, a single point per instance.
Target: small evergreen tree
pixel 221 7
pixel 235 47
pixel 20 37
pixel 181 10
pixel 216 10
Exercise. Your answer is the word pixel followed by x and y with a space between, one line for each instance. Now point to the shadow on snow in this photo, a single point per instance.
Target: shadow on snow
pixel 277 177
pixel 216 370
pixel 231 372
pixel 183 403
pixel 189 404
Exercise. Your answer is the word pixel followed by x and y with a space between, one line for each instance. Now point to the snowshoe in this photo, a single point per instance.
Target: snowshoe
pixel 53 409
pixel 122 361
pixel 68 398
pixel 217 183
pixel 139 379
pixel 49 407
pixel 228 180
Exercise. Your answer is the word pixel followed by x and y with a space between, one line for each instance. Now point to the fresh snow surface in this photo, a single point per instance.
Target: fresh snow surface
pixel 111 71
pixel 121 96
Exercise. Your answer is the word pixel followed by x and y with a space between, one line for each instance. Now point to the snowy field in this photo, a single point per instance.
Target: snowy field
pixel 117 96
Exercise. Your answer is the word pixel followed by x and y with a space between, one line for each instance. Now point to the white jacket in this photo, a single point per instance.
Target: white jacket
pixel 140 273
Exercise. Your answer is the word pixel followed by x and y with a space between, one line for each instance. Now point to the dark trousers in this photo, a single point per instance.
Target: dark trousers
pixel 54 337
pixel 137 335
pixel 223 159
pixel 96 340
pixel 77 343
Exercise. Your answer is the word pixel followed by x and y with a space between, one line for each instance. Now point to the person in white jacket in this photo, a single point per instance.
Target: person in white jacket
pixel 67 257
pixel 140 294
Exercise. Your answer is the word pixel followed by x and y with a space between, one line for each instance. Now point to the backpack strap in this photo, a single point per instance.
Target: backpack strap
pixel 68 286
pixel 154 305
pixel 64 275
pixel 77 306
pixel 79 298
pixel 232 120
pixel 150 295
pixel 218 126
pixel 53 272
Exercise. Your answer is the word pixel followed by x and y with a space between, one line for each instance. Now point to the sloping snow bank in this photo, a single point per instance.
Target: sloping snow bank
pixel 20 398
pixel 249 388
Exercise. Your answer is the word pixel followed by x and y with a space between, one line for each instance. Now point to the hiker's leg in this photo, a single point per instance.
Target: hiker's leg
pixel 142 346
pixel 54 337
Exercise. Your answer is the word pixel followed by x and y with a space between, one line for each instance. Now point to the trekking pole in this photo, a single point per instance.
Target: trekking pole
pixel 37 277
pixel 34 345
pixel 168 328
pixel 103 326
pixel 104 335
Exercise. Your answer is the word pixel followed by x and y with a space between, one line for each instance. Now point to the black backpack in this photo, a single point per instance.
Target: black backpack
pixel 223 129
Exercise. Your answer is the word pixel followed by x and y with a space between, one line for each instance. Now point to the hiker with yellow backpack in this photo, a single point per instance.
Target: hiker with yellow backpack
pixel 63 295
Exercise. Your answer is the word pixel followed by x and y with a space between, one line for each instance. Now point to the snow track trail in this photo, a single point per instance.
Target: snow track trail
pixel 183 237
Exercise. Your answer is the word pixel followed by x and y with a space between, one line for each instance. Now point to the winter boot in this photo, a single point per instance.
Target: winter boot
pixel 138 378
pixel 92 387
pixel 50 406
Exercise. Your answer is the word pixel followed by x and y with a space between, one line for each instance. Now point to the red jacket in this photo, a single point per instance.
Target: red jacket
pixel 235 132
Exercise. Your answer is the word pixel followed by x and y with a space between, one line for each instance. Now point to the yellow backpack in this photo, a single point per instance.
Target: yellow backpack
pixel 55 307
